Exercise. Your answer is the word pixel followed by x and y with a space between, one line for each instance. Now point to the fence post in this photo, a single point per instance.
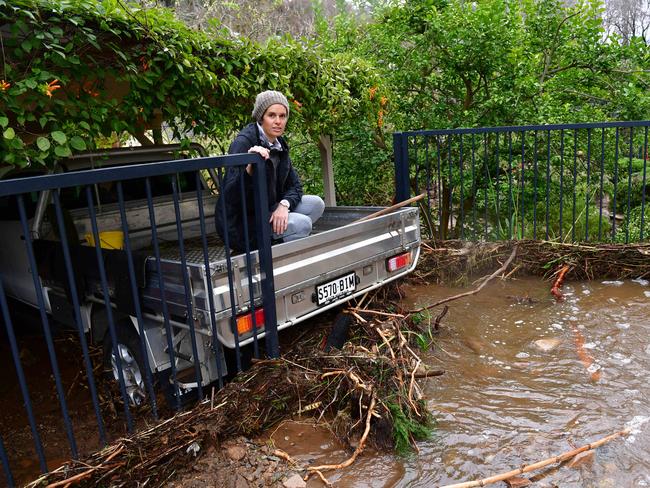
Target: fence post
pixel 400 150
pixel 263 231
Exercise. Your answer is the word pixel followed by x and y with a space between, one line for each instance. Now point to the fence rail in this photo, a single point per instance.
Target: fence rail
pixel 571 182
pixel 158 314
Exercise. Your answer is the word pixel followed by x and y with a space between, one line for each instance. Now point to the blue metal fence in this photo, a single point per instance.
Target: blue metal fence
pixel 96 304
pixel 571 182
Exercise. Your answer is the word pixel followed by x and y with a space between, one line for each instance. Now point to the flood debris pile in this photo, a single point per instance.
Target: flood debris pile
pixel 455 262
pixel 367 392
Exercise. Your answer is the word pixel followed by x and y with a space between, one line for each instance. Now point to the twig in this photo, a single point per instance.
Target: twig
pixel 322 478
pixel 377 312
pixel 86 473
pixel 476 290
pixel 392 208
pixel 357 451
pixel 281 454
pixel 541 464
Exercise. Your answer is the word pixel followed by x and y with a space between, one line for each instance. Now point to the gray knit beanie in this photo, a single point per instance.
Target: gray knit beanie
pixel 265 99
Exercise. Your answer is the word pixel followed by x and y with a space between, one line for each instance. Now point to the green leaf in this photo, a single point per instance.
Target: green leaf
pixel 9 133
pixel 43 143
pixel 62 151
pixel 4 122
pixel 78 143
pixel 26 45
pixel 84 124
pixel 59 137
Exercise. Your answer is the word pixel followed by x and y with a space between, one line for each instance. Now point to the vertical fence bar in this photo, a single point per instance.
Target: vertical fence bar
pixel 136 301
pixel 462 196
pixel 587 185
pixel 402 191
pixel 266 262
pixel 496 185
pixel 613 217
pixel 602 180
pixel 487 186
pixel 629 188
pixel 643 183
pixel 523 177
pixel 427 157
pixel 109 310
pixel 474 186
pixel 561 184
pixel 188 288
pixel 249 266
pixel 441 190
pixel 228 256
pixel 46 327
pixel 163 297
pixel 548 179
pixel 510 194
pixel 450 219
pixel 5 465
pixel 15 353
pixel 77 315
pixel 214 344
pixel 535 171
pixel 575 176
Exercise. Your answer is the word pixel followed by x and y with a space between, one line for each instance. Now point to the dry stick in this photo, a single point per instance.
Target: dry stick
pixel 476 290
pixel 84 474
pixel 392 208
pixel 357 451
pixel 377 312
pixel 541 464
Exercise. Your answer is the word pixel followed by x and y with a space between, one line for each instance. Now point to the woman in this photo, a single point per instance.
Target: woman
pixel 292 213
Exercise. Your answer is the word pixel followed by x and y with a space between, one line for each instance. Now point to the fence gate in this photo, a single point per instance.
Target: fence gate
pixel 126 257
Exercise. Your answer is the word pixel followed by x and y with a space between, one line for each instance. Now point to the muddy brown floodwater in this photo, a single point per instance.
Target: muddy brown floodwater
pixel 516 390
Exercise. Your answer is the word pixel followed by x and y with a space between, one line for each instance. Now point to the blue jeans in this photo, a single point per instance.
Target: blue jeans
pixel 308 211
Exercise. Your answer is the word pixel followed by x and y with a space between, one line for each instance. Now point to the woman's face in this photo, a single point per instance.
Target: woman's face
pixel 274 121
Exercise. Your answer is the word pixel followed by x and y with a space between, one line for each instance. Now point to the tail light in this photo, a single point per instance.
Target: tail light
pixel 245 322
pixel 398 262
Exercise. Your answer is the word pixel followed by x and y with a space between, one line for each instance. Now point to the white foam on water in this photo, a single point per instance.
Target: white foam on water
pixel 586 292
pixel 623 325
pixel 590 345
pixel 524 355
pixel 593 368
pixel 641 281
pixel 613 283
pixel 557 326
pixel 519 321
pixel 647 293
pixel 634 427
pixel 647 349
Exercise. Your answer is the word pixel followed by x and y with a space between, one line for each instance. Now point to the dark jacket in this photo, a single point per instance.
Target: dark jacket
pixel 281 183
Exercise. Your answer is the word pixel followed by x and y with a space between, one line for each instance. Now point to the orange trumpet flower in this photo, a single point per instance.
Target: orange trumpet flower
pixel 51 87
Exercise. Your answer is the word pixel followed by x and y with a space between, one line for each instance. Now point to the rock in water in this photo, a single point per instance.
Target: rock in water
pixel 582 458
pixel 547 345
pixel 294 481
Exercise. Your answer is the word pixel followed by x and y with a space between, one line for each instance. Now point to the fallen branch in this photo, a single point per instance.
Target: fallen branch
pixel 357 451
pixel 541 464
pixel 476 290
pixel 392 208
pixel 555 289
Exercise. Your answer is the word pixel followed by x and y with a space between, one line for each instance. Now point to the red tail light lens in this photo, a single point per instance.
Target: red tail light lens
pixel 245 322
pixel 398 262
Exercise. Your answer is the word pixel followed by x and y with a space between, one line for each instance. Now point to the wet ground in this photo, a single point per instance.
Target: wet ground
pixel 527 379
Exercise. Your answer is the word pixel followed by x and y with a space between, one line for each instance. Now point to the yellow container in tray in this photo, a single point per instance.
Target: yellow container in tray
pixel 109 239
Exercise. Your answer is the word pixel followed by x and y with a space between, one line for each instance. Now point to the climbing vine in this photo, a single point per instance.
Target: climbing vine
pixel 75 71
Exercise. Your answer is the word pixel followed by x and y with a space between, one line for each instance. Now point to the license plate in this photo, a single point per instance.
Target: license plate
pixel 337 288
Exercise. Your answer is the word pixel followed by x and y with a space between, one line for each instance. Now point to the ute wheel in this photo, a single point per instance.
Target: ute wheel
pixel 128 346
pixel 339 332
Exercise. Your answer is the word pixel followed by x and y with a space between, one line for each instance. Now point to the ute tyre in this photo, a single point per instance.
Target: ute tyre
pixel 133 366
pixel 339 332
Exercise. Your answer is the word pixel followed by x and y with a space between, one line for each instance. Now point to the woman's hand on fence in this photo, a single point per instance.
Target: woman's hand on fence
pixel 262 151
